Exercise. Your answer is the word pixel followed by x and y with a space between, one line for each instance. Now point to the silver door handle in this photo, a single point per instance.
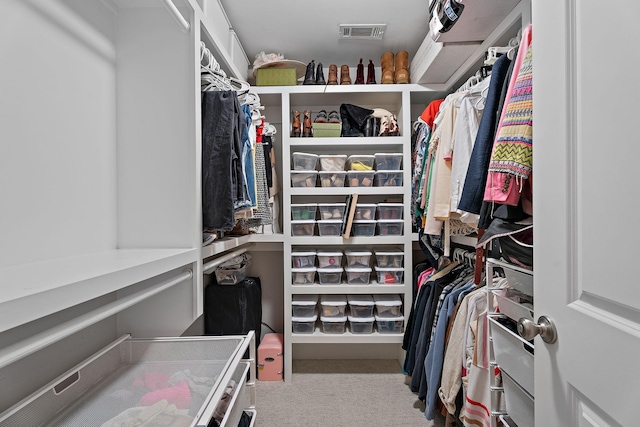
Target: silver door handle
pixel 528 329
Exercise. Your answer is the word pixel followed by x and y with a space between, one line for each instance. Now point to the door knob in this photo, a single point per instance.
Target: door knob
pixel 528 329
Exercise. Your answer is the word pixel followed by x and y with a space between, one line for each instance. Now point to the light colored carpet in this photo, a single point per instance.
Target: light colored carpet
pixel 341 393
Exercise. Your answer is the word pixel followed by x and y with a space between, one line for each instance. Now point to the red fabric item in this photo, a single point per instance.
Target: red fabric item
pixel 259 131
pixel 429 114
pixel 155 380
pixel 179 395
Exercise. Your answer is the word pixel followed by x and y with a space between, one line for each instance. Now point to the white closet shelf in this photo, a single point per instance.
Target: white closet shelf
pixel 372 288
pixel 382 142
pixel 343 191
pixel 229 243
pixel 368 241
pixel 347 337
pixel 346 89
pixel 61 283
pixel 266 238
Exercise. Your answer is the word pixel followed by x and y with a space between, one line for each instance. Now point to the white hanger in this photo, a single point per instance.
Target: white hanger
pixel 214 78
pixel 493 51
pixel 239 86
pixel 269 129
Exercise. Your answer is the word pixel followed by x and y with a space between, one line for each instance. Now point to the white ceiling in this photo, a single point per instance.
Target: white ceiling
pixel 308 30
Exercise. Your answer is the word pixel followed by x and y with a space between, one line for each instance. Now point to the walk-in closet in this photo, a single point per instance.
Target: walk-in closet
pixel 275 214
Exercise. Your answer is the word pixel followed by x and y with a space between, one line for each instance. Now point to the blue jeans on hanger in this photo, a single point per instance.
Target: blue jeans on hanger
pixel 248 166
pixel 223 184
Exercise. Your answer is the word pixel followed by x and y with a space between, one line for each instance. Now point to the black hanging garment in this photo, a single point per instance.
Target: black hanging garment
pixel 233 309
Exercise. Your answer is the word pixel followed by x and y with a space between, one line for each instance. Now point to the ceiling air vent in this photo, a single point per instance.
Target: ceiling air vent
pixel 362 31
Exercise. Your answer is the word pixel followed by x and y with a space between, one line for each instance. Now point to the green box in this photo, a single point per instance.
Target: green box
pixel 326 130
pixel 276 77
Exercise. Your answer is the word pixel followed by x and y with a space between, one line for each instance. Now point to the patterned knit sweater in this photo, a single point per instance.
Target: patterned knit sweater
pixel 512 151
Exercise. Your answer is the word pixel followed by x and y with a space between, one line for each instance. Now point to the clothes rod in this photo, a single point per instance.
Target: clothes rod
pixel 177 15
pixel 47 337
pixel 211 265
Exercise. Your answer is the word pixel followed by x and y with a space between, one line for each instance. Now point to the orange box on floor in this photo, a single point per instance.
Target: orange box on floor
pixel 270 358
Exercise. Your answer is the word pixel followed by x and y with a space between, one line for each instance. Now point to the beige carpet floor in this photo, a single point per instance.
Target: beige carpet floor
pixel 341 393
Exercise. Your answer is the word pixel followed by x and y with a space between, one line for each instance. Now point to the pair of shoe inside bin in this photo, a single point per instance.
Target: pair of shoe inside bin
pixel 323 117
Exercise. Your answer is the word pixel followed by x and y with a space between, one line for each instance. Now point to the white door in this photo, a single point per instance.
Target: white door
pixel 586 203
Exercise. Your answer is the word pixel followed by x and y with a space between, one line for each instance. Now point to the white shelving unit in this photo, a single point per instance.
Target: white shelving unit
pixel 398 100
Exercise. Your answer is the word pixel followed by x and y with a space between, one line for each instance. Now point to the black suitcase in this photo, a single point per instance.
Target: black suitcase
pixel 233 309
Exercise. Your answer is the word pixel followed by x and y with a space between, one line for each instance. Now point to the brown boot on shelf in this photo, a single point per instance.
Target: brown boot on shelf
pixel 371 73
pixel 402 67
pixel 360 74
pixel 345 78
pixel 388 68
pixel 333 75
pixel 295 125
pixel 306 130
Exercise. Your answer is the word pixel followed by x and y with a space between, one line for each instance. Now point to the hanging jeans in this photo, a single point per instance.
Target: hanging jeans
pixel 247 158
pixel 223 186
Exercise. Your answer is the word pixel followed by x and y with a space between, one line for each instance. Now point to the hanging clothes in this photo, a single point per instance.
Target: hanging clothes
pixel 478 393
pixel 413 333
pixel 223 183
pixel 435 357
pixel 465 133
pixel 248 156
pixel 420 137
pixel 512 158
pixel 267 146
pixel 435 287
pixel 440 195
pixel 476 177
pixel 437 346
pixel 262 214
pixel 430 117
pixel 421 171
pixel 453 364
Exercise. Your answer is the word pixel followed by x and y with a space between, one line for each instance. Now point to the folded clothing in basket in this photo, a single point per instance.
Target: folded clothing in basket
pixel 234 270
pixel 179 395
pixel 160 413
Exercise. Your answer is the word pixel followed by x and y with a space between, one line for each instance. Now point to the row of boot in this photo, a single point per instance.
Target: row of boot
pixel 395 69
pixel 301 127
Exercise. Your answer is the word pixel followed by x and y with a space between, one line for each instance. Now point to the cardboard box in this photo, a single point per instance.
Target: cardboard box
pixel 276 77
pixel 326 130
